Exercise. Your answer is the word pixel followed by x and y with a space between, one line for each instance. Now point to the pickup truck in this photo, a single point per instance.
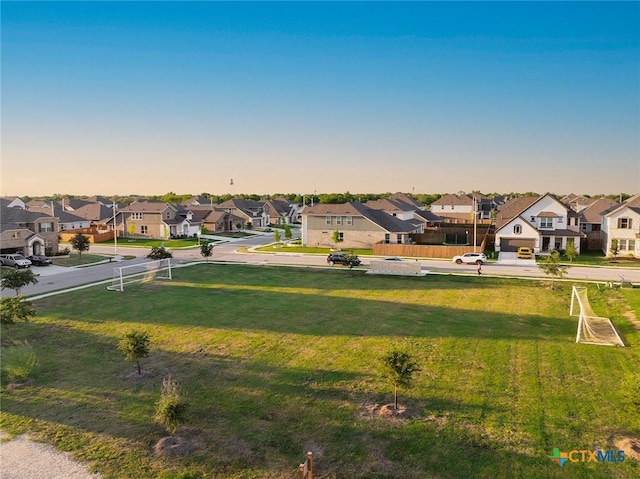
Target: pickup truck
pixel 15 261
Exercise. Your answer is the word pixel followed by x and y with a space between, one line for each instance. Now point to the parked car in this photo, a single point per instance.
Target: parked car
pixel 39 260
pixel 470 258
pixel 15 260
pixel 341 258
pixel 525 253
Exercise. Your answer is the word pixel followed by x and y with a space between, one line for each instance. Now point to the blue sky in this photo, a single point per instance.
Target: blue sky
pixel 151 97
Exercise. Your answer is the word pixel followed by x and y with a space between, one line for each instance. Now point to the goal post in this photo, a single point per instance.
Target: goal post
pixel 141 272
pixel 592 329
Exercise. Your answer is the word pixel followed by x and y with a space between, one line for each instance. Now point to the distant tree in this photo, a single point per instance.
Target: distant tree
pixel 14 309
pixel 135 345
pixel 206 250
pixel 277 236
pixel 18 279
pixel 615 248
pixel 571 252
pixel 171 408
pixel 398 367
pixel 238 225
pixel 551 267
pixel 80 243
pixel 159 252
pixel 288 234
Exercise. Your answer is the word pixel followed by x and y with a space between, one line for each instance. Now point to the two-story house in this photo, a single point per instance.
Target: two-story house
pixel 539 222
pixel 27 232
pixel 354 225
pixel 621 222
pixel 253 213
pixel 156 219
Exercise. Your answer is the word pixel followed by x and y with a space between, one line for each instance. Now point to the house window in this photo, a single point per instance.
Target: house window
pixel 561 220
pixel 327 220
pixel 533 219
pixel 167 215
pixel 631 245
pixel 349 220
pixel 387 238
pixel 624 223
pixel 583 226
pixel 136 216
pixel 340 237
pixel 517 229
pixel 15 234
pixel 570 241
pixel 144 229
pixel 546 222
pixel 626 245
pixel 45 227
pixel 338 220
pixel 399 239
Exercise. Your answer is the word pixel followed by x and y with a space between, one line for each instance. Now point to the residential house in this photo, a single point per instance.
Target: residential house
pixel 12 202
pixel 460 208
pixel 576 202
pixel 539 222
pixel 253 213
pixel 156 219
pixel 281 211
pixel 357 226
pixel 99 216
pixel 27 232
pixel 621 222
pixel 195 201
pixel 591 216
pixel 400 209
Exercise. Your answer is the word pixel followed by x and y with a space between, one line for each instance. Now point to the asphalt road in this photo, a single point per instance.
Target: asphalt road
pixel 53 278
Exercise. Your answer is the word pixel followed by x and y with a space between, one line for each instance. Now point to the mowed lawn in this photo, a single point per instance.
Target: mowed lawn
pixel 276 362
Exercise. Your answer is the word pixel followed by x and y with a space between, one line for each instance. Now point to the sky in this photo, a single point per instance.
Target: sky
pixel 118 98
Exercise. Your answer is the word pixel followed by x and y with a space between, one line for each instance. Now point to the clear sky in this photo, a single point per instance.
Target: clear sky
pixel 151 97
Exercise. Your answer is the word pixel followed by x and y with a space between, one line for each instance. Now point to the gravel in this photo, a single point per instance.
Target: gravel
pixel 21 458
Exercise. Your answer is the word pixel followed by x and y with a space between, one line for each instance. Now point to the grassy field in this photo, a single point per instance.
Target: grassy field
pixel 278 361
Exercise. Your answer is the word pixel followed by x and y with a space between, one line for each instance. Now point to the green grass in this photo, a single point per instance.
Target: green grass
pixel 74 259
pixel 278 361
pixel 596 258
pixel 283 248
pixel 148 243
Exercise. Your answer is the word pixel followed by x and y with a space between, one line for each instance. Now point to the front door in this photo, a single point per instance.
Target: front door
pixel 545 243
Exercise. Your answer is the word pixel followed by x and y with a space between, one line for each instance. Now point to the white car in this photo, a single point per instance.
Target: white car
pixel 15 261
pixel 470 258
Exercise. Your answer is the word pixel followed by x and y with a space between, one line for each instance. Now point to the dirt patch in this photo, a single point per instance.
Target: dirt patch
pixel 171 446
pixel 389 412
pixel 632 319
pixel 630 446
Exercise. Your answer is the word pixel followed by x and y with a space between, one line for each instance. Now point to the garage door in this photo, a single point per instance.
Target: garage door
pixel 512 245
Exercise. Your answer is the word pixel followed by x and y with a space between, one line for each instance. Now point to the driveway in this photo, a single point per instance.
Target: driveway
pixel 512 259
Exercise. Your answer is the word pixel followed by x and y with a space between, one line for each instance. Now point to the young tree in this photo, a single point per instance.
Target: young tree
pixel 80 243
pixel 206 250
pixel 16 308
pixel 351 260
pixel 288 234
pixel 135 345
pixel 570 252
pixel 615 248
pixel 399 368
pixel 18 279
pixel 551 267
pixel 277 236
pixel 171 408
pixel 159 252
pixel 335 237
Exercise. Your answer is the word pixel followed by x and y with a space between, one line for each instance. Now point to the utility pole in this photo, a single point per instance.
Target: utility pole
pixel 475 216
pixel 115 232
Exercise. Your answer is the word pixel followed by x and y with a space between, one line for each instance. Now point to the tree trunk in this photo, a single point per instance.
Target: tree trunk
pixel 139 370
pixel 395 397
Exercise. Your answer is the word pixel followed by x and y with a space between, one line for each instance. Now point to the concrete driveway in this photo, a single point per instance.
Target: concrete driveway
pixel 512 259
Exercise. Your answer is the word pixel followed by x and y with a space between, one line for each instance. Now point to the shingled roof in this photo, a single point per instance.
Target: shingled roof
pixel 384 220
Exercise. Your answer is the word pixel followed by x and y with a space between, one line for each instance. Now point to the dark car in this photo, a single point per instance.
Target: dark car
pixel 39 260
pixel 341 258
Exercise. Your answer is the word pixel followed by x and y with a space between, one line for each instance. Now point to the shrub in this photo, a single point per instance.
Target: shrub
pixel 18 361
pixel 171 408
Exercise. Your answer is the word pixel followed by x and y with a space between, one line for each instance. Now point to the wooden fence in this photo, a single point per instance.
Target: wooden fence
pixel 306 468
pixel 425 251
pixel 91 233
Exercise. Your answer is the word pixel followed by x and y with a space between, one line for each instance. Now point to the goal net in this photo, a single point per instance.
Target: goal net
pixel 141 272
pixel 592 329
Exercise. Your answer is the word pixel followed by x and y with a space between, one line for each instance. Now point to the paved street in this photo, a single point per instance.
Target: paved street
pixel 52 278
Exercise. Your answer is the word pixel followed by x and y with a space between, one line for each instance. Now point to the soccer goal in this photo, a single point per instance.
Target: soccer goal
pixel 141 272
pixel 592 329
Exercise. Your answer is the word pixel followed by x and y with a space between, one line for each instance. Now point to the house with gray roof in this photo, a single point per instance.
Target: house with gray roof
pixel 253 213
pixel 156 219
pixel 357 226
pixel 541 223
pixel 27 232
